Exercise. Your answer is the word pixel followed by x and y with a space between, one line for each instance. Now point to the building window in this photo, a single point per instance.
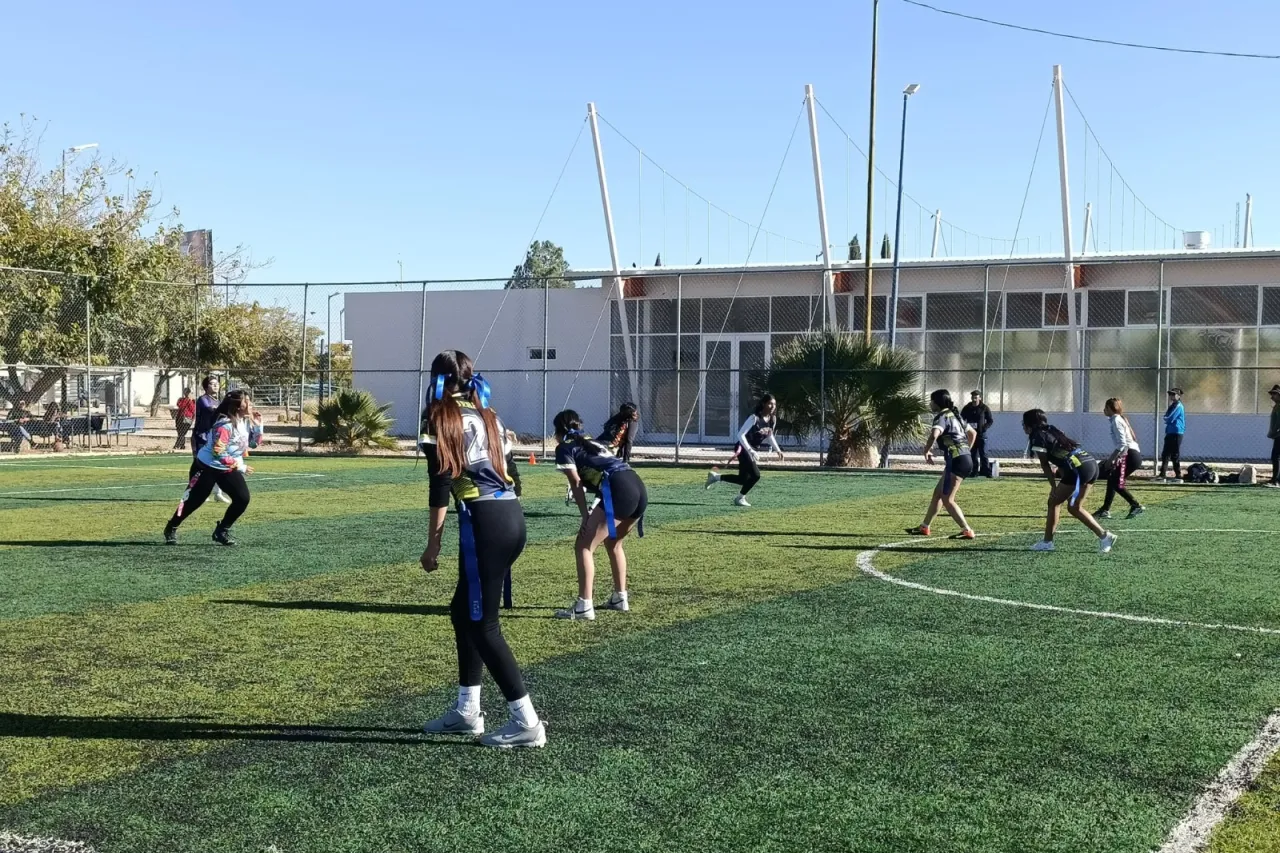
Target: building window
pixel 1214 306
pixel 1055 310
pixel 1106 309
pixel 535 353
pixel 954 311
pixel 1144 308
pixel 910 312
pixel 1023 310
pixel 1271 306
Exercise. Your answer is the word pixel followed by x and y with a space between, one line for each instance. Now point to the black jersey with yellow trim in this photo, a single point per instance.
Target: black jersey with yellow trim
pixel 954 434
pixel 592 460
pixel 1047 441
pixel 480 479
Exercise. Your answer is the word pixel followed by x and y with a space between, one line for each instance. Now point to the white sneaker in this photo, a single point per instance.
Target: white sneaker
pixel 220 495
pixel 741 500
pixel 1105 543
pixel 1042 546
pixel 713 478
pixel 1176 480
pixel 617 601
pixel 516 734
pixel 454 722
pixel 574 613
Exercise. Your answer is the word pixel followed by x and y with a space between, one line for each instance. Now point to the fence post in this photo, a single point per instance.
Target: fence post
pixel 822 382
pixel 88 368
pixel 302 383
pixel 679 353
pixel 546 305
pixel 1159 397
pixel 986 323
pixel 422 359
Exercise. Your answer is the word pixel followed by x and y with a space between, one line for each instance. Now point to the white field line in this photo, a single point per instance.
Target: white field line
pixel 1191 835
pixel 252 479
pixel 13 843
pixel 865 562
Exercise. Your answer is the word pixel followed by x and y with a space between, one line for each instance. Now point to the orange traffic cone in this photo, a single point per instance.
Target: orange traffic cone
pixel 533 460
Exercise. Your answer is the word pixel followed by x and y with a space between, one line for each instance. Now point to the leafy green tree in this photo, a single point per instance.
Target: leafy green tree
pixel 863 396
pixel 855 249
pixel 544 265
pixel 886 247
pixel 81 265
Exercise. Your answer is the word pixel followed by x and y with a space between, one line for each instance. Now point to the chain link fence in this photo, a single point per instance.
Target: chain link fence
pixel 692 348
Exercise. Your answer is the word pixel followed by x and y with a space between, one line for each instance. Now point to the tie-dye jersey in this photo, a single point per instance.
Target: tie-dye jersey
pixel 229 443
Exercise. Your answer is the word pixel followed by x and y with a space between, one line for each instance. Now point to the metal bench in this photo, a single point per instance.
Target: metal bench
pixel 122 426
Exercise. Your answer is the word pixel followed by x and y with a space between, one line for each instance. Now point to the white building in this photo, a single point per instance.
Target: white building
pixel 998 324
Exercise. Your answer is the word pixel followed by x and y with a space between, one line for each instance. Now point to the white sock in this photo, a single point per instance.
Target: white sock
pixel 468 700
pixel 522 710
pixel 618 596
pixel 583 605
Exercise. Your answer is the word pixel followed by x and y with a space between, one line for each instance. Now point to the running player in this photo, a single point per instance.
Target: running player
pixel 220 462
pixel 955 438
pixel 1124 460
pixel 619 431
pixel 1077 469
pixel 622 501
pixel 464 444
pixel 758 428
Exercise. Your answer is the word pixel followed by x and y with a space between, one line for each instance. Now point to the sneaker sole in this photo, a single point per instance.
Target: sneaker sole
pixel 536 744
pixel 455 732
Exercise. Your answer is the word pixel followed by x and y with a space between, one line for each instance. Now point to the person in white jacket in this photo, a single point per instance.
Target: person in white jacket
pixel 756 431
pixel 1126 457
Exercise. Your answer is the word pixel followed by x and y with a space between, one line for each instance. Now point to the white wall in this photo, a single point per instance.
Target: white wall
pixel 385 330
pixel 1209 436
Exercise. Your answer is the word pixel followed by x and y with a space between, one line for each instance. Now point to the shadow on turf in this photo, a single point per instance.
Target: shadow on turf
pixel 201 728
pixel 373 607
pixel 82 543
pixel 70 499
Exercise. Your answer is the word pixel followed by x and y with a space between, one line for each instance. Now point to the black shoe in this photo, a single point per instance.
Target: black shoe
pixel 170 535
pixel 223 536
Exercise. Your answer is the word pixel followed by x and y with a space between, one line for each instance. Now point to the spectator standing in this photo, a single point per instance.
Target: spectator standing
pixel 977 415
pixel 1274 434
pixel 185 418
pixel 1175 426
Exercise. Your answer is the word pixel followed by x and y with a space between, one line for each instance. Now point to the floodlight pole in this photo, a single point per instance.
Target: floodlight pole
pixel 828 286
pixel 867 251
pixel 613 250
pixel 1069 285
pixel 937 232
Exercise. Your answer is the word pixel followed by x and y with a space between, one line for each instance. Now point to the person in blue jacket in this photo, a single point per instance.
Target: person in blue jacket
pixel 221 462
pixel 1175 425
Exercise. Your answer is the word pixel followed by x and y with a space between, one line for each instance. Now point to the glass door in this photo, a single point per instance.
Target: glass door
pixel 731 363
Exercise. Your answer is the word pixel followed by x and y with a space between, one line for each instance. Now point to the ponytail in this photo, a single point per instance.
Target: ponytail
pixel 453 378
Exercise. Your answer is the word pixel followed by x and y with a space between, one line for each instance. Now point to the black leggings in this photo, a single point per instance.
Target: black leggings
pixel 500 537
pixel 1275 459
pixel 233 485
pixel 748 471
pixel 1118 478
pixel 1172 452
pixel 196 444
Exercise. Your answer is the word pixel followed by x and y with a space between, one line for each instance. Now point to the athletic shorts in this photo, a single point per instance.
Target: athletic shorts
pixel 959 466
pixel 630 499
pixel 1084 475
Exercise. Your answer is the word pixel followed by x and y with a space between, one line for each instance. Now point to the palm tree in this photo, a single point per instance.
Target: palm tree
pixel 353 421
pixel 863 396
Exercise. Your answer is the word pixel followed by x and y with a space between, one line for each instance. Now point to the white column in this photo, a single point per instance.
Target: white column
pixel 828 286
pixel 1073 326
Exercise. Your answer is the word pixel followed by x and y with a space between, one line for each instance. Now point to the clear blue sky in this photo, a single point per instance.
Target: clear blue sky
pixel 338 140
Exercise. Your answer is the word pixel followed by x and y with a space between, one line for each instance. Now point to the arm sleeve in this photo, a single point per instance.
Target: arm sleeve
pixel 440 484
pixel 255 436
pixel 989 420
pixel 773 439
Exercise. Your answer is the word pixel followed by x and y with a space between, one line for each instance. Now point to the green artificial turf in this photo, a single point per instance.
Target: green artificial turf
pixel 762 694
